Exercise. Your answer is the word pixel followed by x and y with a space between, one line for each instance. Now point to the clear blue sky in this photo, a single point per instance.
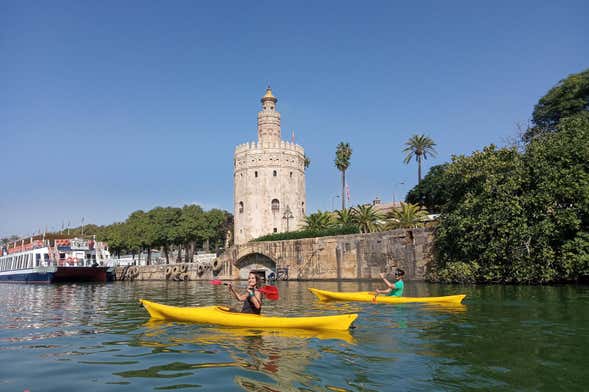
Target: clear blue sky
pixel 113 106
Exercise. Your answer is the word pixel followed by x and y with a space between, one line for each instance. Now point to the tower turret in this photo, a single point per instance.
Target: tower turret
pixel 269 120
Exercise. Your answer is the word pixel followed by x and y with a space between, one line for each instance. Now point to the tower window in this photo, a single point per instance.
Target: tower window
pixel 275 205
pixel 274 173
pixel 275 230
pixel 256 174
pixel 290 174
pixel 240 207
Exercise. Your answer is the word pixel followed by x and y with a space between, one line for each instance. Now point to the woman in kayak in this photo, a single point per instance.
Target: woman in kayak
pixel 252 300
pixel 393 289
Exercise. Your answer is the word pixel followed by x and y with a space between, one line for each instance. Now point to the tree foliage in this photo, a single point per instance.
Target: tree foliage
pixel 366 218
pixel 420 147
pixel 318 221
pixel 343 154
pixel 519 217
pixel 570 97
pixel 409 216
pixel 431 192
pixel 188 228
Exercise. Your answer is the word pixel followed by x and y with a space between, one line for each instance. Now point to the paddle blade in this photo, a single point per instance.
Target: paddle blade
pixel 271 292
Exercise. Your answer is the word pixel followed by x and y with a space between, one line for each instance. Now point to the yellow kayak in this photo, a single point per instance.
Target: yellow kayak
pixel 221 315
pixel 368 296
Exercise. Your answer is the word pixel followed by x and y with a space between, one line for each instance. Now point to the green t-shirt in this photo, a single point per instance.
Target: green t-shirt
pixel 398 290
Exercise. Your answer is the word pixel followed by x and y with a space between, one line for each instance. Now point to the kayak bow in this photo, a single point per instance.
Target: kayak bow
pixel 221 315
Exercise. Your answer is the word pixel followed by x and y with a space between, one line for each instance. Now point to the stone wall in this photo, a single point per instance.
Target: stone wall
pixel 355 256
pixel 173 272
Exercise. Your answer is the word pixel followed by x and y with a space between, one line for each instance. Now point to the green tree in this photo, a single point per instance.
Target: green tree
pixel 419 146
pixel 192 229
pixel 485 219
pixel 366 218
pixel 570 97
pixel 558 198
pixel 407 217
pixel 307 161
pixel 165 222
pixel 141 232
pixel 432 191
pixel 345 217
pixel 318 221
pixel 343 154
pixel 216 228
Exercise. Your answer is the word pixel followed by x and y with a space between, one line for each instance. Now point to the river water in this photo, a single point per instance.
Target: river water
pixel 96 337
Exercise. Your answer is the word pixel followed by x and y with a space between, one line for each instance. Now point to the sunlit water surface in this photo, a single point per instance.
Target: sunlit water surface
pixel 96 337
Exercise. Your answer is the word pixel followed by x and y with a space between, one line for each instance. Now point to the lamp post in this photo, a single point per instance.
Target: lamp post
pixel 333 201
pixel 287 215
pixel 394 187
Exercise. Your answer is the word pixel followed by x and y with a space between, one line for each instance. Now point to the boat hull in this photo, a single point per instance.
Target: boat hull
pixel 221 315
pixel 81 274
pixel 368 296
pixel 26 276
pixel 57 275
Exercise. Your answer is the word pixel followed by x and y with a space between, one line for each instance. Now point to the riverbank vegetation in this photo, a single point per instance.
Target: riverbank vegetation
pixel 354 220
pixel 181 231
pixel 518 214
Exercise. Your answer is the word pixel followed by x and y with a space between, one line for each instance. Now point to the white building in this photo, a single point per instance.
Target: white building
pixel 269 180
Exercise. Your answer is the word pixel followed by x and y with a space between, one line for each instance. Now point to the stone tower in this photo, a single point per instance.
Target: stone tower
pixel 268 180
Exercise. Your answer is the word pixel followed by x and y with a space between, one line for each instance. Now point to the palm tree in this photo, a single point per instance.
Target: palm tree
pixel 419 146
pixel 343 153
pixel 407 217
pixel 345 217
pixel 366 218
pixel 318 221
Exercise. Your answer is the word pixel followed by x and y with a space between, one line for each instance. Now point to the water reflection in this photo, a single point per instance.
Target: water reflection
pixel 271 359
pixel 94 336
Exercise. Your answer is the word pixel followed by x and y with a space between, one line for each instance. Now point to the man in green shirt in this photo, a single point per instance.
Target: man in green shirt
pixel 393 289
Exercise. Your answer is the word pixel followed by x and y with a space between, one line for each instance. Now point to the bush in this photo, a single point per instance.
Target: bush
pixel 297 235
pixel 456 272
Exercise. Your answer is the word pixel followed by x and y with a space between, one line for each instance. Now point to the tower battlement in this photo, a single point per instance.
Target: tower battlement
pixel 282 145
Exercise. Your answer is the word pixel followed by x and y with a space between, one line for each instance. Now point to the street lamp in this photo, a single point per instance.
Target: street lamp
pixel 332 202
pixel 394 187
pixel 288 216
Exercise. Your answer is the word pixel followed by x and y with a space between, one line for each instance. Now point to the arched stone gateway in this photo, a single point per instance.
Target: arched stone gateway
pixel 257 262
pixel 351 256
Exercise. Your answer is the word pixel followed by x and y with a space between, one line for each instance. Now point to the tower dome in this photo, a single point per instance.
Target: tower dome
pixel 268 96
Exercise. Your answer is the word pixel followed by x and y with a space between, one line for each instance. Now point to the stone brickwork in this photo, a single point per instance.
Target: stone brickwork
pixel 172 272
pixel 269 180
pixel 355 256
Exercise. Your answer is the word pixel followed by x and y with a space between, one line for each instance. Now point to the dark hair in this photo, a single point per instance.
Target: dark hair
pixel 399 272
pixel 258 279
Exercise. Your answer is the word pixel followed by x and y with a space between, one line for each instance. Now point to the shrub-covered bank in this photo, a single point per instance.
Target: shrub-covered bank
pixel 518 215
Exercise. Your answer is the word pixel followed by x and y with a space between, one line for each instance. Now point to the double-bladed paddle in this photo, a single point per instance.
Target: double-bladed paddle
pixel 271 292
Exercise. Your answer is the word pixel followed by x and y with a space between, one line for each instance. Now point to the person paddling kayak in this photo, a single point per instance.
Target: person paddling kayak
pixel 394 289
pixel 252 300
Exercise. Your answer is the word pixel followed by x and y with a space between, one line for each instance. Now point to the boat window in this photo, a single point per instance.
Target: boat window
pixel 37 260
pixel 46 258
